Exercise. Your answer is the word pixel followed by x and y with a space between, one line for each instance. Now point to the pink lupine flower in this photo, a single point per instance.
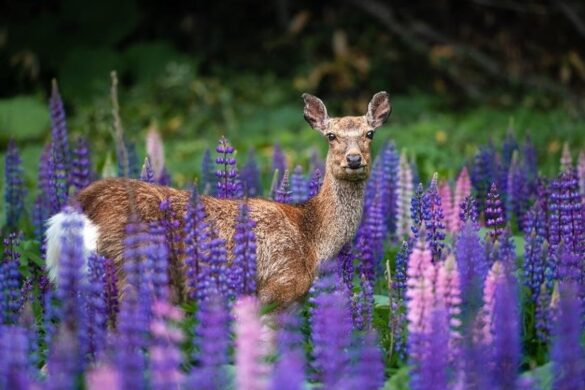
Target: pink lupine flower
pixel 447 203
pixel 448 294
pixel 251 372
pixel 404 197
pixel 462 191
pixel 494 277
pixel 155 151
pixel 103 377
pixel 566 159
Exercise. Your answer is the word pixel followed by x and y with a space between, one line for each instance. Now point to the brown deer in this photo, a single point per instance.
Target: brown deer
pixel 291 240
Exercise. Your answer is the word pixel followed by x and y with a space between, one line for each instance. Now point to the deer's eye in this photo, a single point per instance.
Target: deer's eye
pixel 330 136
pixel 370 134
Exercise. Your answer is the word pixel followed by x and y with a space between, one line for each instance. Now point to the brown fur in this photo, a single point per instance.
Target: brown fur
pixel 291 240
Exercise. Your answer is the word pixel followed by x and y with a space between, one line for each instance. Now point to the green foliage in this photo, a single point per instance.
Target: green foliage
pixel 23 118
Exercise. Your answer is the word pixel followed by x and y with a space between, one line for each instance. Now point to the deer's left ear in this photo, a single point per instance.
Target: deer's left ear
pixel 379 109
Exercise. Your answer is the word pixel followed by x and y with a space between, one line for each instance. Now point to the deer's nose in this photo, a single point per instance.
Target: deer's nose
pixel 354 161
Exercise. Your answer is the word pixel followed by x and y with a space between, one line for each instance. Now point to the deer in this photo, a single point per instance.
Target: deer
pixel 291 240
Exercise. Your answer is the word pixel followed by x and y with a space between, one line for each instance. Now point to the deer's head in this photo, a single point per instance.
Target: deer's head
pixel 349 137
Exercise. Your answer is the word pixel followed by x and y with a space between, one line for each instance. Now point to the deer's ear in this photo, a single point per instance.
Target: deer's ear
pixel 315 112
pixel 379 109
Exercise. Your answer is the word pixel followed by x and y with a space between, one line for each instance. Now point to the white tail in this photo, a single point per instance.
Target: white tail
pixel 54 234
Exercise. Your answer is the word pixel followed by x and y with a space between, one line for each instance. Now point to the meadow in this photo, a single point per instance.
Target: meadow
pixel 469 278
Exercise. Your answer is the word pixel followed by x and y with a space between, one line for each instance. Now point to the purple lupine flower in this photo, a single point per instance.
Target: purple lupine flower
pixel 159 254
pixel 95 300
pixel 345 268
pixel 401 264
pixel 243 268
pixel 10 280
pixel 494 214
pixel 468 211
pixel 298 186
pixel 506 333
pixel 81 173
pixel 14 363
pixel 58 182
pixel 227 173
pixel 155 152
pixel 484 173
pixel 283 194
pixel 61 150
pixel 420 301
pixel 251 370
pixel 370 238
pixel 472 264
pixel 289 370
pixel 363 305
pixel 434 220
pixel 111 291
pixel 213 273
pixel 530 160
pixel 567 354
pixel 315 183
pixel 462 192
pixel 566 214
pixel 278 163
pixel 250 175
pixel 63 366
pixel 196 241
pixel 164 353
pixel 581 172
pixel 367 373
pixel 212 336
pixel 433 367
pixel 389 185
pixel 542 314
pixel 405 193
pixel 535 250
pixel 416 214
pixel 364 251
pixel 330 327
pixel 316 161
pixel 14 191
pixel 147 173
pixel 518 192
pixel 208 177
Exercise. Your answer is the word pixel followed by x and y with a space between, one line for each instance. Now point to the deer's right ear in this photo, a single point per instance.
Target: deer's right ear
pixel 315 112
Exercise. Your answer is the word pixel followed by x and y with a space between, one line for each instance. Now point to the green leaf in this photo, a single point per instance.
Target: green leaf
pixel 399 381
pixel 381 300
pixel 23 118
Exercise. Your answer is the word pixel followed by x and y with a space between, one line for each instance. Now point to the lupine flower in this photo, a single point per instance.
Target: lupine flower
pixel 581 172
pixel 81 173
pixel 251 371
pixel 530 161
pixel 367 372
pixel 212 336
pixel 227 173
pixel 155 152
pixel 289 370
pixel 164 353
pixel 159 255
pixel 401 264
pixel 298 186
pixel 420 300
pixel 462 191
pixel 405 193
pixel 431 371
pixel 104 377
pixel 14 191
pixel 567 354
pixel 494 214
pixel 316 161
pixel 315 183
pixel 111 290
pixel 542 314
pixel 472 264
pixel 566 158
pixel 208 177
pixel 447 204
pixel 196 242
pixel 363 305
pixel 10 280
pixel 63 366
pixel 468 211
pixel 389 188
pixel 61 151
pixel 566 214
pixel 147 173
pixel 243 268
pixel 214 272
pixel 535 250
pixel 518 191
pixel 283 193
pixel 372 233
pixel 278 163
pixel 434 220
pixel 484 173
pixel 95 299
pixel 448 295
pixel 250 175
pixel 416 214
pixel 14 367
pixel 494 278
pixel 330 328
pixel 509 147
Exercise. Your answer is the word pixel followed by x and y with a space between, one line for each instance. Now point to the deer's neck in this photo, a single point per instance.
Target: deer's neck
pixel 333 215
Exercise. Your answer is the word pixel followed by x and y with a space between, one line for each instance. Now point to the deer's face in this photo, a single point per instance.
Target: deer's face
pixel 349 137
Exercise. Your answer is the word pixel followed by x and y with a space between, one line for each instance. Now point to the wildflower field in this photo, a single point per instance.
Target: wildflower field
pixel 475 281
